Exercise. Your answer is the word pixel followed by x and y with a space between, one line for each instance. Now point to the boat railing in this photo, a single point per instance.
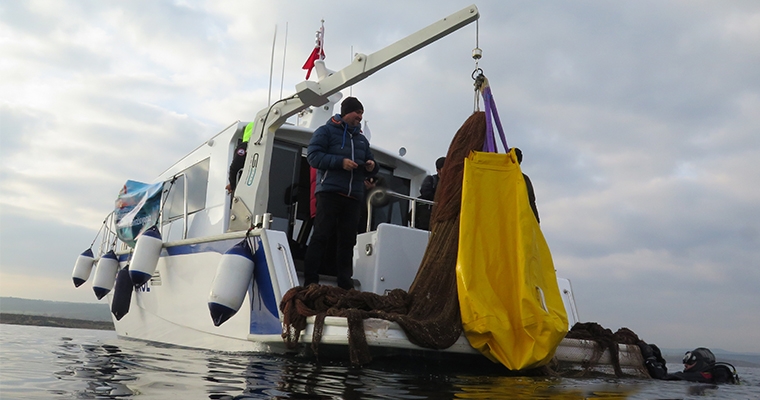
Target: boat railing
pixel 183 216
pixel 110 238
pixel 380 195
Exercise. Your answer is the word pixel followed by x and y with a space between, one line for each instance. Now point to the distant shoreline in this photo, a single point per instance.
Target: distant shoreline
pixel 43 320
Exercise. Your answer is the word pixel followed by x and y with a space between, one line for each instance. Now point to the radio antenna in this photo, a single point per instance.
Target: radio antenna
pixel 271 68
pixel 284 52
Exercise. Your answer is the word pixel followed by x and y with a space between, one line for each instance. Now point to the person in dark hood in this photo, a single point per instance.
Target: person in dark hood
pixel 696 366
pixel 427 192
pixel 341 155
pixel 238 159
pixel 430 183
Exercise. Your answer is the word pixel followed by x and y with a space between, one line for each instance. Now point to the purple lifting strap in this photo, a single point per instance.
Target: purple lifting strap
pixel 490 143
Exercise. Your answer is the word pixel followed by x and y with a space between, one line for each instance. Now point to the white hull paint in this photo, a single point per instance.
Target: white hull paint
pixel 172 307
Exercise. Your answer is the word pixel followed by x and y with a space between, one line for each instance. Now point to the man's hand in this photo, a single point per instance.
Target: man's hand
pixel 369 165
pixel 228 188
pixel 349 164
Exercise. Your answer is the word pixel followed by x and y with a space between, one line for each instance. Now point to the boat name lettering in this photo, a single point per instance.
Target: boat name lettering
pixel 142 220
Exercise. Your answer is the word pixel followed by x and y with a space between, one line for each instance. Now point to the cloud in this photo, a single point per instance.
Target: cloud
pixel 40 245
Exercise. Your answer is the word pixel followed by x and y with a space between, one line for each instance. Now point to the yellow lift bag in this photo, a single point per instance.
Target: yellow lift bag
pixel 509 299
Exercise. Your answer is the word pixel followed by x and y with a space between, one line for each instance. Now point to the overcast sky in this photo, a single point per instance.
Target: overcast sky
pixel 639 122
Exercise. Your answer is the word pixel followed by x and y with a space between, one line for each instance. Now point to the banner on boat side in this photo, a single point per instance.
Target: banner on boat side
pixel 512 310
pixel 137 209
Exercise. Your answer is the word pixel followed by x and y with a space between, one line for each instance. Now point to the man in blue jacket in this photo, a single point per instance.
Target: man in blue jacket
pixel 343 159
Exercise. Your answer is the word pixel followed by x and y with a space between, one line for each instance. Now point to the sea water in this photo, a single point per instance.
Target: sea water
pixel 59 363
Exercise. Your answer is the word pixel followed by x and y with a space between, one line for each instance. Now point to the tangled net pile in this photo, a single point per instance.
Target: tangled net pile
pixel 605 340
pixel 429 312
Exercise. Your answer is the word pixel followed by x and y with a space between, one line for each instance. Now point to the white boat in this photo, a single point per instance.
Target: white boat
pixel 200 222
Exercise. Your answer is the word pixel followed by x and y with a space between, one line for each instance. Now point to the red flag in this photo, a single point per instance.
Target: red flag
pixel 318 53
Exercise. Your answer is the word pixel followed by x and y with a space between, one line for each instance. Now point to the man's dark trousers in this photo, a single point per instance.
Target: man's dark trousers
pixel 336 215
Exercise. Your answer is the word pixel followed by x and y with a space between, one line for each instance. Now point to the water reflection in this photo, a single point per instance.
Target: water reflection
pixel 294 378
pixel 149 371
pixel 96 365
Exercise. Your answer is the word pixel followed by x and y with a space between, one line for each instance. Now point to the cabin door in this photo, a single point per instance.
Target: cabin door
pixel 289 189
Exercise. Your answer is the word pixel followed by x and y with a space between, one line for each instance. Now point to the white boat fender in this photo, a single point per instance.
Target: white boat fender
pixel 83 267
pixel 231 283
pixel 105 274
pixel 122 294
pixel 145 257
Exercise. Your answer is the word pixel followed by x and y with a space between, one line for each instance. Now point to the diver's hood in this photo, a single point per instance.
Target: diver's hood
pixel 702 357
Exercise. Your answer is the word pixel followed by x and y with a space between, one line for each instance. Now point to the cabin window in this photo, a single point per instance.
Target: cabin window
pixel 196 180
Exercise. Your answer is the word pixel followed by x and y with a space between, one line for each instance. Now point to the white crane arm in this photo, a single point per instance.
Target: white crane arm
pixel 316 93
pixel 252 195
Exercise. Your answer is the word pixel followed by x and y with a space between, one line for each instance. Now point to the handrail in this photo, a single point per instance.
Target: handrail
pixel 391 193
pixel 284 251
pixel 109 234
pixel 184 205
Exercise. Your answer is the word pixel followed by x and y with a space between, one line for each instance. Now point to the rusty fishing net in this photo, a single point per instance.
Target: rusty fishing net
pixel 605 340
pixel 429 312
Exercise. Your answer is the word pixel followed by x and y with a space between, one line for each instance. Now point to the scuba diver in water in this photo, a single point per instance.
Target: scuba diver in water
pixel 699 366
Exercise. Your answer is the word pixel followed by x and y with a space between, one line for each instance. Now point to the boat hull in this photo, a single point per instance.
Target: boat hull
pixel 387 339
pixel 172 307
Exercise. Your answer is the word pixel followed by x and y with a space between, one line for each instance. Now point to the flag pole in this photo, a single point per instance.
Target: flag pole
pixel 318 53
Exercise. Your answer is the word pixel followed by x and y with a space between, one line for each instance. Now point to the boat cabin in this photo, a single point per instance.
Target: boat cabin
pixel 196 205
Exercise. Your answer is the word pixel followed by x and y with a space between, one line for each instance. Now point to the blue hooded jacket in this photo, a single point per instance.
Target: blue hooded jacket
pixel 330 144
